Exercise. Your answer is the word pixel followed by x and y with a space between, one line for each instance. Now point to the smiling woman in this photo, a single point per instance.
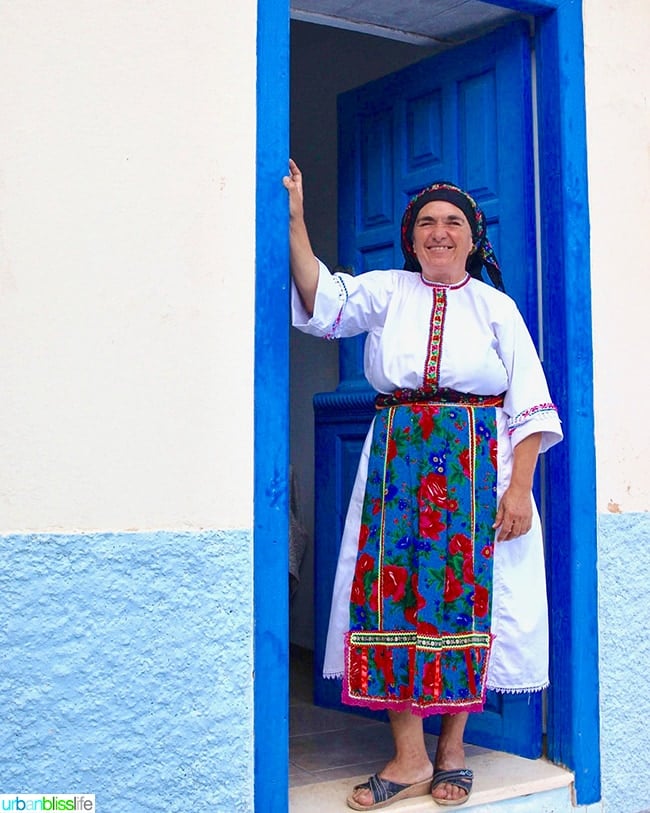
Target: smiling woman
pixel 446 471
pixel 442 242
pixel 444 236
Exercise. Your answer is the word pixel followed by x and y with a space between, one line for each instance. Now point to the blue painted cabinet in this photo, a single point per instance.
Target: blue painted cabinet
pixel 464 116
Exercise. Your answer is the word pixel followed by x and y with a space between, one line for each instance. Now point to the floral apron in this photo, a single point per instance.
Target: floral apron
pixel 420 604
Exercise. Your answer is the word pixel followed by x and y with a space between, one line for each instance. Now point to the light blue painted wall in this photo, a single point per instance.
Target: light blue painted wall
pixel 126 668
pixel 550 801
pixel 624 619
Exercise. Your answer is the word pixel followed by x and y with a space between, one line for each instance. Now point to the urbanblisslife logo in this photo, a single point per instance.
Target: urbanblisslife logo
pixel 85 803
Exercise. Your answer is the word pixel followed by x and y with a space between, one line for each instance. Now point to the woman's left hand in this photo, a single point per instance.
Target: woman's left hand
pixel 514 514
pixel 515 511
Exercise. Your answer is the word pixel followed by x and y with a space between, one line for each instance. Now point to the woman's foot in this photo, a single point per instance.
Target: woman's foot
pixel 453 759
pixel 450 755
pixel 399 772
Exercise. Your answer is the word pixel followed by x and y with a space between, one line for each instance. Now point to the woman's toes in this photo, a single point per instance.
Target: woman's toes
pixel 447 791
pixel 363 796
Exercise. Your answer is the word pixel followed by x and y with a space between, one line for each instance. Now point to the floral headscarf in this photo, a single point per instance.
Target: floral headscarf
pixel 483 253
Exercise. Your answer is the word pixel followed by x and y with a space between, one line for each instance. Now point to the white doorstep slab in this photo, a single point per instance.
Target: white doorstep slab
pixel 497 776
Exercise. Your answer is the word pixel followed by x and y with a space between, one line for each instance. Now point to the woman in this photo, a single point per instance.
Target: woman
pixel 440 589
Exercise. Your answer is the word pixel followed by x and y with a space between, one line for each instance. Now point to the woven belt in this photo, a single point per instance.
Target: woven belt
pixel 436 396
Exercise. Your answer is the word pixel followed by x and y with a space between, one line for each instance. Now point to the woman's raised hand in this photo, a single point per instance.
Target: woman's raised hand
pixel 293 184
pixel 304 266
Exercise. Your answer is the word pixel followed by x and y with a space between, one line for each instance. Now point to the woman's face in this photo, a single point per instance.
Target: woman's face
pixel 442 241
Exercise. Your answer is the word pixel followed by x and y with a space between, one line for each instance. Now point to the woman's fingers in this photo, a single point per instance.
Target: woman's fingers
pixel 514 516
pixel 293 181
pixel 512 531
pixel 293 184
pixel 295 175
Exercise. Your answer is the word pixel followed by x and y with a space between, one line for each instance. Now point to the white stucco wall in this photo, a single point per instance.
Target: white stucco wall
pixel 127 268
pixel 617 72
pixel 617 64
pixel 126 264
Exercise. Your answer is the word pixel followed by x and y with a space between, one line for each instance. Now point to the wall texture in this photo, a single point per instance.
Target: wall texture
pixel 617 68
pixel 127 251
pixel 126 669
pixel 127 153
pixel 623 574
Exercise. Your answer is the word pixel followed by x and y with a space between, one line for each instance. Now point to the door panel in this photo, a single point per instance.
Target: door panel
pixel 463 116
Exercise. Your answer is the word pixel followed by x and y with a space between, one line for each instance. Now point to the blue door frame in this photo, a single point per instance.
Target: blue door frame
pixel 573 711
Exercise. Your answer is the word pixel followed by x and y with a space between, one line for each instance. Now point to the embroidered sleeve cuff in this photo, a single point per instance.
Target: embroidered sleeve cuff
pixel 529 413
pixel 331 297
pixel 540 418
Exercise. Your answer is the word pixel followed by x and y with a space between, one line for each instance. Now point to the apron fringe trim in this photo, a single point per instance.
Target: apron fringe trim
pixel 526 690
pixel 389 704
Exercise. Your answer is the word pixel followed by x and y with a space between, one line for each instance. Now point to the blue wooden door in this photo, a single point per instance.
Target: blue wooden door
pixel 464 116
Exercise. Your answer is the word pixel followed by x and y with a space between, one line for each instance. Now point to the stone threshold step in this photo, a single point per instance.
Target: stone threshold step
pixel 497 777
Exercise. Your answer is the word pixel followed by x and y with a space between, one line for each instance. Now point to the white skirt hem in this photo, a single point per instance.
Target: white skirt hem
pixel 522 690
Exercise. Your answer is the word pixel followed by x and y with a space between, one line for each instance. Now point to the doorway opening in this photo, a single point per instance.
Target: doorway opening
pixel 573 700
pixel 325 62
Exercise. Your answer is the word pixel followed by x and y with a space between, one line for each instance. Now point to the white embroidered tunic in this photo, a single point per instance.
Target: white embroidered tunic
pixel 485 349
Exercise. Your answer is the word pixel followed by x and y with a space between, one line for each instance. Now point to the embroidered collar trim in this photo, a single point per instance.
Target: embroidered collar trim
pixel 448 286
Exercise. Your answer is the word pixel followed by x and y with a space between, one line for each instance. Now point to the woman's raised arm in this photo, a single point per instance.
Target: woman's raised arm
pixel 304 265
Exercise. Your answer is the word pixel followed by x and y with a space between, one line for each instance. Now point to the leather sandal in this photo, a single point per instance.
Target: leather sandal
pixel 384 792
pixel 460 777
